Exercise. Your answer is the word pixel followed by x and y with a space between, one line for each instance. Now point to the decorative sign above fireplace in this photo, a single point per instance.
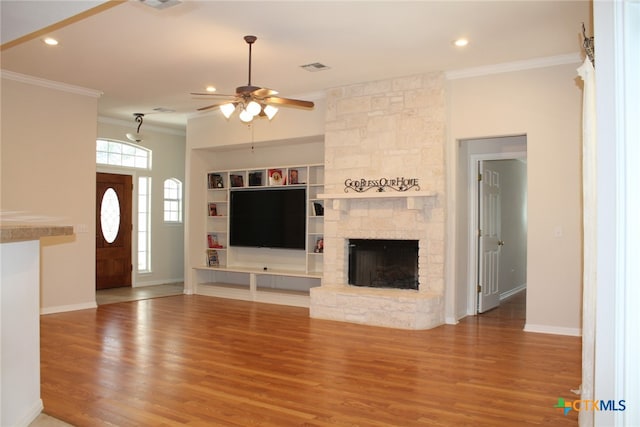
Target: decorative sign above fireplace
pixel 381 184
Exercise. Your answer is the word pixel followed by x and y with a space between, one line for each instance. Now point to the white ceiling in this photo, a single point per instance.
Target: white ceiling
pixel 142 58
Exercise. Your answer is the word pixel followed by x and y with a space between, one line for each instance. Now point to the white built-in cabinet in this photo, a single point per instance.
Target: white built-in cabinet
pixel 280 276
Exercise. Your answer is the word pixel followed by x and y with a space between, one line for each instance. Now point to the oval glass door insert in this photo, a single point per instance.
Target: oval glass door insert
pixel 110 215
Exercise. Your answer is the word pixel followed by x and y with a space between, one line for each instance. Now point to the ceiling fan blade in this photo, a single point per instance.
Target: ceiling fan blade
pixel 264 92
pixel 288 102
pixel 208 107
pixel 212 94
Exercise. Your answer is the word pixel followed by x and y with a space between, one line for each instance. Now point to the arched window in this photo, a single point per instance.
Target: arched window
pixel 172 200
pixel 117 153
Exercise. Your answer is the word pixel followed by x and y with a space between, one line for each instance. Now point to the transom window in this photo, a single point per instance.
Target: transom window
pixel 117 153
pixel 172 200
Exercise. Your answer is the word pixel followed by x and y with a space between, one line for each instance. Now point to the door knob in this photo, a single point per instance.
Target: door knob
pixel 500 242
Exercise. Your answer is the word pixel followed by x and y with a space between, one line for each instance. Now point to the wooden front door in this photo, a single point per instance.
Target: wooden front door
pixel 113 230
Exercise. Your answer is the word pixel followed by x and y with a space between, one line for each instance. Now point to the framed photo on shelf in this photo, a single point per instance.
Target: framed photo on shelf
pixel 237 180
pixel 275 177
pixel 255 179
pixel 212 259
pixel 319 245
pixel 212 241
pixel 215 181
pixel 318 209
pixel 293 176
pixel 213 209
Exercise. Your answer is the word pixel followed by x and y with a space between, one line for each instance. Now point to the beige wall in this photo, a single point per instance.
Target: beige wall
pixel 48 171
pixel 167 240
pixel 545 105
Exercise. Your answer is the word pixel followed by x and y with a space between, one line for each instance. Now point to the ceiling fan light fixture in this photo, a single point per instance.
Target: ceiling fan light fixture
pixel 270 111
pixel 228 109
pixel 253 108
pixel 135 137
pixel 245 116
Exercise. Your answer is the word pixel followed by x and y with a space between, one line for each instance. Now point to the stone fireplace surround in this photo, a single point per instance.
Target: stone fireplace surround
pixel 389 128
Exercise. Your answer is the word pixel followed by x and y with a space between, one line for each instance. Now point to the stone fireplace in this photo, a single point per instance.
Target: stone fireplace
pixel 385 129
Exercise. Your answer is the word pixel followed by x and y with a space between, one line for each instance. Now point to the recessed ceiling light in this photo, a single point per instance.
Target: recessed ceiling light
pixel 51 41
pixel 211 89
pixel 461 42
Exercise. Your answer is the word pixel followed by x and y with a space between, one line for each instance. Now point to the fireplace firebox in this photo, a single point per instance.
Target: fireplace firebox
pixel 381 263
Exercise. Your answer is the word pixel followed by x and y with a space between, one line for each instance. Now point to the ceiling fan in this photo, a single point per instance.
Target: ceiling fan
pixel 254 101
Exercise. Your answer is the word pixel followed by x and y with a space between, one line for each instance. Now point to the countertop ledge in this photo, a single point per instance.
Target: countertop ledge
pixel 24 232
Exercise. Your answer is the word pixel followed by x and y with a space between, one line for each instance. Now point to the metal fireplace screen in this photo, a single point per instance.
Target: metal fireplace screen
pixel 379 263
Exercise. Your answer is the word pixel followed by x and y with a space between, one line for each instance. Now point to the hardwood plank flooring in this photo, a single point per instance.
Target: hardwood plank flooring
pixel 204 361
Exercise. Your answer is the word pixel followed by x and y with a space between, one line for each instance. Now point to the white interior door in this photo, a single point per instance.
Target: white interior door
pixel 489 243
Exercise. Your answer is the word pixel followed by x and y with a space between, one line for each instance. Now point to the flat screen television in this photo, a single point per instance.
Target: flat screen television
pixel 268 218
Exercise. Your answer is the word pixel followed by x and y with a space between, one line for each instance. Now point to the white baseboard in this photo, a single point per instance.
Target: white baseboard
pixel 65 308
pixel 451 321
pixel 555 330
pixel 513 291
pixel 31 414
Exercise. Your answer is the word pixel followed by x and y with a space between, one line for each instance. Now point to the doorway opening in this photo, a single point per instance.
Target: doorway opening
pixel 497 222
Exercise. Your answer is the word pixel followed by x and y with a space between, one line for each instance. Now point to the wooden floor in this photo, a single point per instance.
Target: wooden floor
pixel 203 361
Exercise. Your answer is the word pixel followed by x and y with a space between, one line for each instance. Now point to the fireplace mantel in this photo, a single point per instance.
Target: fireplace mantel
pixel 415 199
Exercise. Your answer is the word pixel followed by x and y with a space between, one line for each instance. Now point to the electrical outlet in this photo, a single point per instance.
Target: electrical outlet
pixel 557 231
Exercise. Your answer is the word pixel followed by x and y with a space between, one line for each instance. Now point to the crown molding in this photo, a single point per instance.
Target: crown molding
pixel 131 123
pixel 50 84
pixel 508 67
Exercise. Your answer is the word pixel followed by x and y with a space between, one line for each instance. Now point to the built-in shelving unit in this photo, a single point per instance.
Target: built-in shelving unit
pixel 281 276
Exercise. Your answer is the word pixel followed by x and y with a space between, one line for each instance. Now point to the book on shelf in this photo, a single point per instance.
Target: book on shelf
pixel 213 209
pixel 212 241
pixel 319 246
pixel 318 209
pixel 293 177
pixel 215 181
pixel 255 179
pixel 212 259
pixel 237 180
pixel 275 177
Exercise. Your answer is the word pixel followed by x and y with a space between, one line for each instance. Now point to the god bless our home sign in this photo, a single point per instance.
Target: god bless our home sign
pixel 380 185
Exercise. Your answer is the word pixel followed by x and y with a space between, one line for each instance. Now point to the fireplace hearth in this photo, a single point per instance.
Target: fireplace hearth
pixel 382 263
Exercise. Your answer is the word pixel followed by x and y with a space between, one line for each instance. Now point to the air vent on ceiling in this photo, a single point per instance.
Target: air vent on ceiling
pixel 160 4
pixel 316 66
pixel 163 110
